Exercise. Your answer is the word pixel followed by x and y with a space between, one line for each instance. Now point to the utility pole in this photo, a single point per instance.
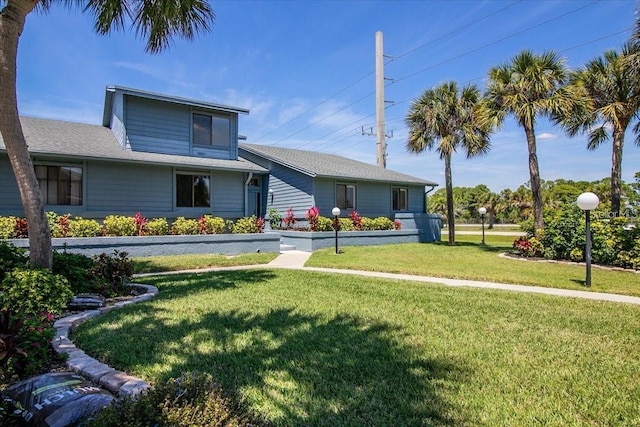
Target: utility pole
pixel 381 136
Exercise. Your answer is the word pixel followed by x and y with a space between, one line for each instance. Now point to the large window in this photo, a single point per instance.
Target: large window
pixel 60 185
pixel 346 196
pixel 400 199
pixel 211 130
pixel 192 191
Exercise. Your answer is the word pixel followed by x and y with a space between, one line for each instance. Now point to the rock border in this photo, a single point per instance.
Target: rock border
pixel 556 261
pixel 119 383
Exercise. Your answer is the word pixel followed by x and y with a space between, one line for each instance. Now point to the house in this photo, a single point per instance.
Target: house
pixel 166 156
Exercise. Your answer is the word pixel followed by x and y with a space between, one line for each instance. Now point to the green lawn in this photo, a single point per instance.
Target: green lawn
pixel 316 349
pixel 470 260
pixel 198 261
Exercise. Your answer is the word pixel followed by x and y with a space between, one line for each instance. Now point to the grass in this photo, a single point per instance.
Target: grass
pixel 470 260
pixel 316 349
pixel 197 261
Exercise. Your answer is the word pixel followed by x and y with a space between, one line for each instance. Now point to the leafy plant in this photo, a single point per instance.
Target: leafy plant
pixel 345 224
pixel 157 227
pixel 248 225
pixel 312 216
pixel 80 227
pixel 192 400
pixel 356 219
pixel 141 224
pixel 58 224
pixel 275 219
pixel 7 227
pixel 289 219
pixel 32 291
pixel 22 229
pixel 78 269
pixel 208 224
pixel 383 223
pixel 184 226
pixel 116 271
pixel 118 225
pixel 324 224
pixel 10 258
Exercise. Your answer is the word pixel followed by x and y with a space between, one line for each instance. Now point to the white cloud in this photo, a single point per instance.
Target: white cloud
pixel 546 135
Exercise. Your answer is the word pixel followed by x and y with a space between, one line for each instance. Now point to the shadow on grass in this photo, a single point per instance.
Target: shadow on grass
pixel 298 367
pixel 487 247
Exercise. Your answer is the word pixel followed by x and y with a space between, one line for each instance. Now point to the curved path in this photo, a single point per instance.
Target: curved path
pixel 125 385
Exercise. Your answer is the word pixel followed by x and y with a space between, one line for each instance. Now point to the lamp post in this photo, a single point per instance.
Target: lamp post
pixel 482 211
pixel 271 195
pixel 587 202
pixel 336 224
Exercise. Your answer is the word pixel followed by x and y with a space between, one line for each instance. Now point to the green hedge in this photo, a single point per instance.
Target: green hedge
pixel 613 240
pixel 117 225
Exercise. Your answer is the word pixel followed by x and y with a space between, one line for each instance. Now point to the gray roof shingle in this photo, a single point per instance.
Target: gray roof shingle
pixel 329 165
pixel 70 140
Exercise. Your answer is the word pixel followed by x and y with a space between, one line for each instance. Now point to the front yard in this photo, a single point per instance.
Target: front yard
pixel 321 349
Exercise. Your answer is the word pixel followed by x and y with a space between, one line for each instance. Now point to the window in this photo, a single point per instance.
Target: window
pixel 192 191
pixel 346 196
pixel 400 199
pixel 211 130
pixel 60 185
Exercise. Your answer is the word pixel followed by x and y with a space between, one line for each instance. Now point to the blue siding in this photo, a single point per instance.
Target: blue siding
pixel 117 120
pixel 373 199
pixel 325 195
pixel 126 188
pixel 228 194
pixel 417 199
pixel 10 203
pixel 158 127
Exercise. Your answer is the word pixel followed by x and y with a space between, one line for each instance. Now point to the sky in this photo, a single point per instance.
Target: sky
pixel 306 72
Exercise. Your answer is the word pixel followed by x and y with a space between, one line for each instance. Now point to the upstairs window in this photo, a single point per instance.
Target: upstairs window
pixel 60 185
pixel 400 199
pixel 211 130
pixel 346 196
pixel 192 191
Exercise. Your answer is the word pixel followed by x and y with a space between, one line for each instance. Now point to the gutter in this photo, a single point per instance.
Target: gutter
pixel 426 193
pixel 246 194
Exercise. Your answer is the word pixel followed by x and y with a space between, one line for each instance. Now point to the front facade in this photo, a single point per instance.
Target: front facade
pixel 167 157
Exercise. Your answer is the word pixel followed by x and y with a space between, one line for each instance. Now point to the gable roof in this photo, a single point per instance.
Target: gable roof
pixel 111 90
pixel 69 140
pixel 317 164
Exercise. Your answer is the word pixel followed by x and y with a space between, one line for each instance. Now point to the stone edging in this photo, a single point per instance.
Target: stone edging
pixel 117 382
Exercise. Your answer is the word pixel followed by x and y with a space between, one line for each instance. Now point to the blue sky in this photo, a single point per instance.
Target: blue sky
pixel 305 69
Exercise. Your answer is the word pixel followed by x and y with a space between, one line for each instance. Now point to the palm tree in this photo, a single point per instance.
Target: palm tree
pixel 614 92
pixel 527 87
pixel 156 21
pixel 446 119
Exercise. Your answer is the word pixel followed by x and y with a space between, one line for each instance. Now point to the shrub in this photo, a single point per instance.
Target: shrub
pixel 345 224
pixel 79 272
pixel 367 224
pixel 356 219
pixel 184 226
pixel 33 291
pixel 80 227
pixel 193 399
pixel 324 224
pixel 528 246
pixel 7 227
pixel 312 216
pixel 157 227
pixel 289 219
pixel 24 341
pixel 397 225
pixel 22 229
pixel 248 225
pixel 141 224
pixel 58 224
pixel 275 219
pixel 11 257
pixel 118 225
pixel 116 271
pixel 208 224
pixel 383 223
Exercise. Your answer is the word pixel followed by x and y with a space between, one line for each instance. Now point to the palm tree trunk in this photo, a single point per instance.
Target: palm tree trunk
pixel 449 190
pixel 534 176
pixel 12 20
pixel 616 169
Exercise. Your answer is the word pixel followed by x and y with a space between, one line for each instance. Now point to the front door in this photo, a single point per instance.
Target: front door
pixel 255 202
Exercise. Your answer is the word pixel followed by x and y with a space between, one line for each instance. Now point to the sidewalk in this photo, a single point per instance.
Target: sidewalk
pixel 297 259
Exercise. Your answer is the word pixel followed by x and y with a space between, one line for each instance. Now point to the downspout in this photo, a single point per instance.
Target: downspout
pixel 426 195
pixel 246 194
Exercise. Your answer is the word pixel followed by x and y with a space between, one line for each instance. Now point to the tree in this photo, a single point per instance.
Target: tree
pixel 156 21
pixel 527 87
pixel 614 95
pixel 446 119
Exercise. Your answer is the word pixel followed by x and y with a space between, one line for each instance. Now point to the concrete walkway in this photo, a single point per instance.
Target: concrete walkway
pixel 297 259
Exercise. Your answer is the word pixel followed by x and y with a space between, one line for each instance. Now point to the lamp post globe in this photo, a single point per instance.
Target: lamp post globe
pixel 482 211
pixel 336 213
pixel 587 201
